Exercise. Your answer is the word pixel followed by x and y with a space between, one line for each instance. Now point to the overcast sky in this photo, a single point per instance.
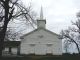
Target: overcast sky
pixel 58 13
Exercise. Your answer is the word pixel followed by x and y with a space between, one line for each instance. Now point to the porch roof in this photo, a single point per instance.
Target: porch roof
pixel 12 43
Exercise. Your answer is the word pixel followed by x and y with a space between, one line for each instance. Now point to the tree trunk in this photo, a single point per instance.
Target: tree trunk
pixel 77 48
pixel 1 45
pixel 74 42
pixel 3 31
pixel 2 36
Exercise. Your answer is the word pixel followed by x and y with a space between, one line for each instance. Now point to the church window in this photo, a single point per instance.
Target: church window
pixel 40 36
pixel 49 44
pixel 32 44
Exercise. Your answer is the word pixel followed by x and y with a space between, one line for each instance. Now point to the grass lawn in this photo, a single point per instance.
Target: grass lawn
pixel 44 57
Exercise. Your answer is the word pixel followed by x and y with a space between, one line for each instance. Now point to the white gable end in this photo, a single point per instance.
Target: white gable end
pixel 43 42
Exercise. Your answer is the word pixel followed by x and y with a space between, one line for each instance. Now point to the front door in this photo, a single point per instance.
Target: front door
pixel 40 49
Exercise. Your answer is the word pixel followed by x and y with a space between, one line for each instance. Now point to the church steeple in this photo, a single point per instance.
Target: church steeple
pixel 41 22
pixel 41 13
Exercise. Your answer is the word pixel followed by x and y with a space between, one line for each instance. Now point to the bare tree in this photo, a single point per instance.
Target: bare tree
pixel 66 44
pixel 10 10
pixel 11 35
pixel 72 34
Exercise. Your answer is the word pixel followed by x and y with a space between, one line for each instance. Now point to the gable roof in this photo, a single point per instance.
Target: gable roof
pixel 37 30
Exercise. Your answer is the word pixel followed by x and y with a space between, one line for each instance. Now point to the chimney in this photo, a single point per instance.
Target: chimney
pixel 41 22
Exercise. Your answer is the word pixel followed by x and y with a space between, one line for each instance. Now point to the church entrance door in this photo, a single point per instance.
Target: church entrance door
pixel 40 49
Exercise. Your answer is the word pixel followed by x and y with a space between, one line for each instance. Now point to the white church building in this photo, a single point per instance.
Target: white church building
pixel 41 41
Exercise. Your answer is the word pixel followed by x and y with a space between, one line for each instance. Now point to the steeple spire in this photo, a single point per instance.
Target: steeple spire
pixel 41 13
pixel 41 22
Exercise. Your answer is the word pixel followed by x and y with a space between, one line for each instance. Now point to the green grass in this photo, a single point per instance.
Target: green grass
pixel 44 57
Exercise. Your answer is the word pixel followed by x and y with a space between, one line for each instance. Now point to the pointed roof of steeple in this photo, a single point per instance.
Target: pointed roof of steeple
pixel 41 13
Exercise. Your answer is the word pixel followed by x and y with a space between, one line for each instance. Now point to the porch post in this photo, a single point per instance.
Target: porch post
pixel 18 50
pixel 10 49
